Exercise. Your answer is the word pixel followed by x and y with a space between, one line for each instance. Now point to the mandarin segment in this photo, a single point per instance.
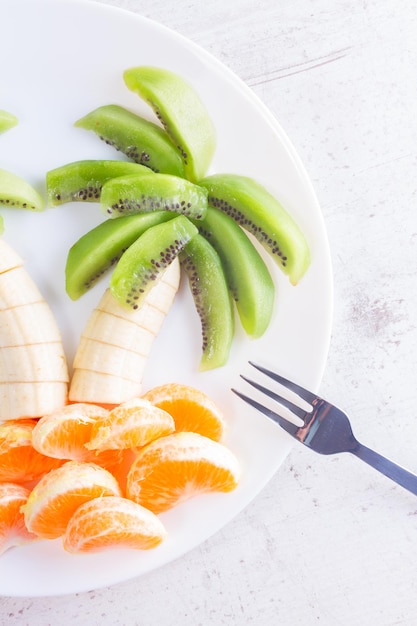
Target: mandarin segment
pixel 19 461
pixel 13 529
pixel 174 468
pixel 52 502
pixel 112 522
pixel 130 425
pixel 192 409
pixel 64 434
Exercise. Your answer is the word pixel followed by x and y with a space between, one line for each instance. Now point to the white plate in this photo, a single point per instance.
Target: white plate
pixel 61 60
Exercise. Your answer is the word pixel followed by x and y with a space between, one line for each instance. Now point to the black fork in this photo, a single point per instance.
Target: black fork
pixel 324 428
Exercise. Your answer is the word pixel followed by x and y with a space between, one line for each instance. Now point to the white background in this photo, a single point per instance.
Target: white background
pixel 329 541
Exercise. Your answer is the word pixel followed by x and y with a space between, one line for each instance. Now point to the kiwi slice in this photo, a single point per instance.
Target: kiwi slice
pixel 247 275
pixel 260 213
pixel 18 193
pixel 7 120
pixel 152 192
pixel 212 300
pixel 182 113
pixel 142 263
pixel 140 140
pixel 98 250
pixel 81 181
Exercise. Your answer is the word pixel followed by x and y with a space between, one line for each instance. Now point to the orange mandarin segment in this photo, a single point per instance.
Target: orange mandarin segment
pixel 112 522
pixel 130 425
pixel 54 499
pixel 13 529
pixel 192 409
pixel 19 461
pixel 171 469
pixel 63 434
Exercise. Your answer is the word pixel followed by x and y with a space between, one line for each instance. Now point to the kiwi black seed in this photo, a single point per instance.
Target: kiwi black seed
pixel 101 248
pixel 251 206
pixel 139 139
pixel 147 257
pixel 248 277
pixel 181 111
pixel 212 300
pixel 129 194
pixel 82 181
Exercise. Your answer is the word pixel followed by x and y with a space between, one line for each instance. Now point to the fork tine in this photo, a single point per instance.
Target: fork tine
pixel 283 401
pixel 289 427
pixel 301 391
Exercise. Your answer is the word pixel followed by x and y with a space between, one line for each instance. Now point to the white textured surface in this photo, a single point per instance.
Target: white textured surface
pixel 329 541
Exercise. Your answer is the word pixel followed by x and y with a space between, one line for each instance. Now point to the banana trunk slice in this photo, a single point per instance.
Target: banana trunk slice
pixel 114 346
pixel 33 367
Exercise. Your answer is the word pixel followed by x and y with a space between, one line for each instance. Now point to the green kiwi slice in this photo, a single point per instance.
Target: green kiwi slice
pixel 142 263
pixel 17 193
pixel 182 113
pixel 129 194
pixel 7 120
pixel 247 275
pixel 212 300
pixel 260 213
pixel 98 250
pixel 81 181
pixel 140 140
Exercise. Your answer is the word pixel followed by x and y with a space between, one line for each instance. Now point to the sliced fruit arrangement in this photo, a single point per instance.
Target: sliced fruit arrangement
pixel 143 193
pixel 114 346
pixel 140 140
pixel 33 368
pixel 82 181
pixel 182 113
pixel 15 192
pixel 258 212
pixel 219 257
pixel 156 458
pixel 13 530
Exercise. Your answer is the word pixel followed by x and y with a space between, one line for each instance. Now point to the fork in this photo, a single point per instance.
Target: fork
pixel 325 428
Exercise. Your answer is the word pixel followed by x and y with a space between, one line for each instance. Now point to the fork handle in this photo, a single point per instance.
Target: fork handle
pixel 398 474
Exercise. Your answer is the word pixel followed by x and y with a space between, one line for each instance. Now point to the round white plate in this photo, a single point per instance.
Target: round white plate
pixel 61 60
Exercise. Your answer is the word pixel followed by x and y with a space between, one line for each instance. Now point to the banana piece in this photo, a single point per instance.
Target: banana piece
pixel 115 343
pixel 33 368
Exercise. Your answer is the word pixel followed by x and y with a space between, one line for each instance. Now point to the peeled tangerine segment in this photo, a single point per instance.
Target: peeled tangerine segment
pixel 212 300
pixel 99 249
pixel 171 469
pixel 7 120
pixel 140 140
pixel 17 193
pixel 181 111
pixel 260 213
pixel 142 263
pixel 112 522
pixel 247 275
pixel 81 181
pixel 153 192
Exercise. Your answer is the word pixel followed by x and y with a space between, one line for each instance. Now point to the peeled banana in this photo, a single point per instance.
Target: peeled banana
pixel 33 367
pixel 115 343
